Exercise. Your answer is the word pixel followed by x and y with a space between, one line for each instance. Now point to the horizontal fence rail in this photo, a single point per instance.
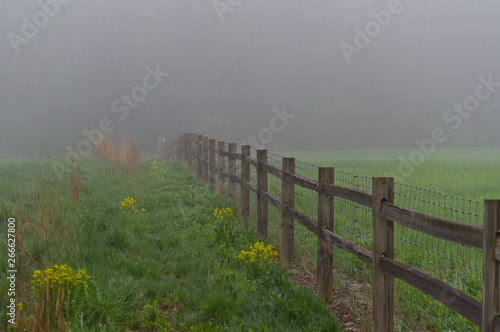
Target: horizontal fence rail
pixel 216 163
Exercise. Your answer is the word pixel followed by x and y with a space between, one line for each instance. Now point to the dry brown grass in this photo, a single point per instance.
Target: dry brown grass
pixel 45 231
pixel 74 185
pixel 353 309
pixel 125 156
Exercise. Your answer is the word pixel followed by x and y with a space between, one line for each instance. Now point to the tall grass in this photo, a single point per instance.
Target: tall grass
pixel 161 269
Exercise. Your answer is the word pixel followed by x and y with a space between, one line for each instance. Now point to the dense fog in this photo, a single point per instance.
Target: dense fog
pixel 318 74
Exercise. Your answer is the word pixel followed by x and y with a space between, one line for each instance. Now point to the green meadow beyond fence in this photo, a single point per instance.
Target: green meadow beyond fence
pixel 407 258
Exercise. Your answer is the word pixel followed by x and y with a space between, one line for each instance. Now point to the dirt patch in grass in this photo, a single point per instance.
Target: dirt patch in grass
pixel 354 311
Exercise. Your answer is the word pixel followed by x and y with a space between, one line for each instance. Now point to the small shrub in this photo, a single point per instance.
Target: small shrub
pixel 224 228
pixel 259 258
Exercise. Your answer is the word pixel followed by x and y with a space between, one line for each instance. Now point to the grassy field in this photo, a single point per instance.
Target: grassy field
pixel 472 173
pixel 171 266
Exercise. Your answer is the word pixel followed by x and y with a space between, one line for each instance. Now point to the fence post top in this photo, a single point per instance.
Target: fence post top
pixel 491 201
pixel 383 180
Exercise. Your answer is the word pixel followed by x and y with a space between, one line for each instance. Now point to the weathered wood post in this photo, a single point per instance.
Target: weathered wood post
pixel 187 156
pixel 177 149
pixel 192 152
pixel 383 236
pixel 199 154
pixel 325 220
pixel 185 150
pixel 211 163
pixel 491 265
pixel 221 183
pixel 287 226
pixel 205 160
pixel 245 178
pixel 231 170
pixel 174 149
pixel 262 207
pixel 166 152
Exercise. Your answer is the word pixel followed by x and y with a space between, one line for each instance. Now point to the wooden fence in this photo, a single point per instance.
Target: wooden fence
pixel 208 160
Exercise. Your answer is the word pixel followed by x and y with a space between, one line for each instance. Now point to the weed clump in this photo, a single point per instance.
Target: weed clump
pixel 125 156
pixel 55 288
pixel 259 254
pixel 59 277
pixel 129 205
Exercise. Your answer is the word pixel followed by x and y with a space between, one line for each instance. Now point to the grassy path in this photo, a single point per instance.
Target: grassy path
pixel 171 266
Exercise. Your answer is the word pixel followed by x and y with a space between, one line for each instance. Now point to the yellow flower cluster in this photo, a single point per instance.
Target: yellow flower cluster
pixel 220 214
pixel 158 170
pixel 59 275
pixel 129 205
pixel 259 254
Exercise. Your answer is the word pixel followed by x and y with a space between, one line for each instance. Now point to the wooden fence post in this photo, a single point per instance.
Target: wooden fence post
pixel 287 227
pixel 491 264
pixel 187 157
pixel 211 163
pixel 170 150
pixel 199 154
pixel 325 220
pixel 231 170
pixel 174 149
pixel 205 160
pixel 221 183
pixel 245 177
pixel 187 137
pixel 383 235
pixel 192 152
pixel 177 149
pixel 262 207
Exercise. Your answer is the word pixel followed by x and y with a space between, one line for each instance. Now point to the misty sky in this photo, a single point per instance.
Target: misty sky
pixel 227 68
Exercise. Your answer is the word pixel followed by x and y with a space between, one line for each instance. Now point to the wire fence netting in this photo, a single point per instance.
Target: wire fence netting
pixel 457 265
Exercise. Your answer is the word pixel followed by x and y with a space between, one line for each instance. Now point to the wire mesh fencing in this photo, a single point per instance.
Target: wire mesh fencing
pixel 457 265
